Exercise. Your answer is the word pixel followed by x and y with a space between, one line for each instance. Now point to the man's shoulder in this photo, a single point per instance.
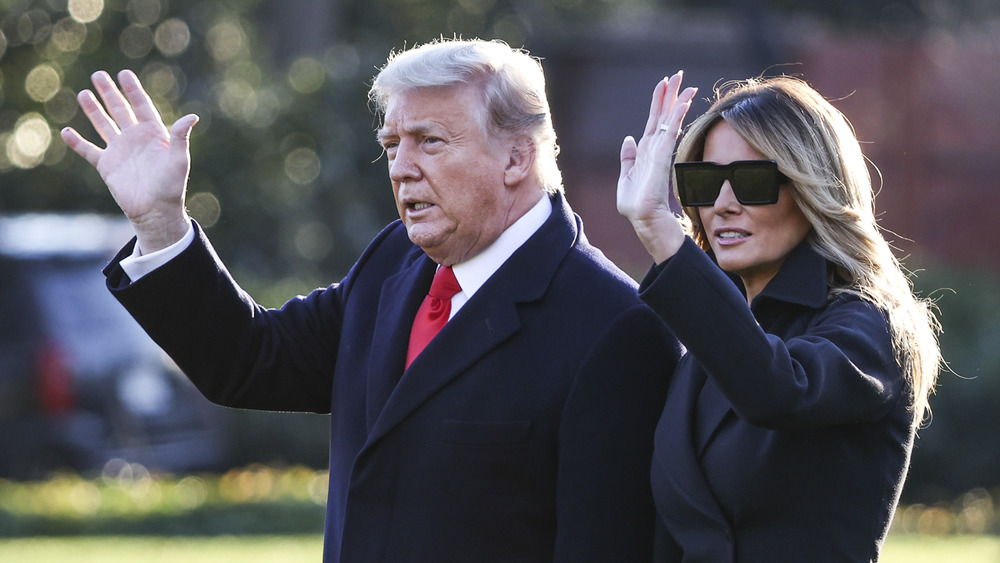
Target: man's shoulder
pixel 586 277
pixel 590 266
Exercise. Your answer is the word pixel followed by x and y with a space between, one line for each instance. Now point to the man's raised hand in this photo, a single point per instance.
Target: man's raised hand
pixel 145 166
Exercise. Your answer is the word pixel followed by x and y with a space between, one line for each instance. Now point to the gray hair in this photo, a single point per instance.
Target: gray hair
pixel 511 81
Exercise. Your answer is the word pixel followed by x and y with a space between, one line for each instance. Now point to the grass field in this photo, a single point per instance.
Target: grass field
pixel 309 548
pixel 945 549
pixel 224 549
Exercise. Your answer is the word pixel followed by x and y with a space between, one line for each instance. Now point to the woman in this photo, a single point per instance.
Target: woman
pixel 788 426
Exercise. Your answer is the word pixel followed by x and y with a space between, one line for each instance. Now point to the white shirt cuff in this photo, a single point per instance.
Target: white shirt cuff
pixel 139 264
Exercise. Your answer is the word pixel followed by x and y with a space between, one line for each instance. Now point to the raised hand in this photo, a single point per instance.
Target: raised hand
pixel 644 182
pixel 145 166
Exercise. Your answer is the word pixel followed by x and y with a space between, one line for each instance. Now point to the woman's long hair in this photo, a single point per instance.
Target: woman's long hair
pixel 813 143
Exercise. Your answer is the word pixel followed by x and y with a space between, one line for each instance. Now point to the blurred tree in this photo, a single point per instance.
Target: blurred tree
pixel 285 172
pixel 959 450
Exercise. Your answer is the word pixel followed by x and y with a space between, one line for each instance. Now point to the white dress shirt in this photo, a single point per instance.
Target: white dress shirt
pixel 474 272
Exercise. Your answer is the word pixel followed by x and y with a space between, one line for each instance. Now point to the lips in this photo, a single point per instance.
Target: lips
pixel 731 236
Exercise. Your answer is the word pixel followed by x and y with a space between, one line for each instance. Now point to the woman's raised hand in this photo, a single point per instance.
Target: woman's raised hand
pixel 644 183
pixel 145 166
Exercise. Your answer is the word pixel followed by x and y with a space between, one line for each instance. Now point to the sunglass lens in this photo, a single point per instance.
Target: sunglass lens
pixel 755 185
pixel 700 186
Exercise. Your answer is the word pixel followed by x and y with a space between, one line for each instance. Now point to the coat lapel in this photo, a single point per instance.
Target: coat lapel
pixel 679 453
pixel 400 298
pixel 484 322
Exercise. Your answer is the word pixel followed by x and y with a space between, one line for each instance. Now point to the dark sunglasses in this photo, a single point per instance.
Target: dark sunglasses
pixel 754 182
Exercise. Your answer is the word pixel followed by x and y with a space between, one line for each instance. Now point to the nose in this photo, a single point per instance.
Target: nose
pixel 402 165
pixel 726 202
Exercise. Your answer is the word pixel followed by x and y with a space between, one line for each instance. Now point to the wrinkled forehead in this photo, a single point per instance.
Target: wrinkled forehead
pixel 426 108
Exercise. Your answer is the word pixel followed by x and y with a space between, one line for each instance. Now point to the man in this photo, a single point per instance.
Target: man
pixel 522 432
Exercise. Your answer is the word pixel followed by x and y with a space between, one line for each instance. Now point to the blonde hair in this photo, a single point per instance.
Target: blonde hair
pixel 511 81
pixel 813 143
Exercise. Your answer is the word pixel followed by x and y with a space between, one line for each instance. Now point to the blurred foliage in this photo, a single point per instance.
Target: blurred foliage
pixel 960 449
pixel 975 512
pixel 286 173
pixel 125 499
pixel 128 500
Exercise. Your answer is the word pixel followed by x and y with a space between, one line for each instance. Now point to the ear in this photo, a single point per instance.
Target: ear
pixel 521 161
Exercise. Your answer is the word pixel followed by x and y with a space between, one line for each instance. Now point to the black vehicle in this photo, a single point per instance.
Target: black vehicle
pixel 80 382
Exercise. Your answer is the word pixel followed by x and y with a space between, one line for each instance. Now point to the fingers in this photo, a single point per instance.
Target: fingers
pixel 117 106
pixel 89 151
pixel 665 101
pixel 141 103
pixel 655 107
pixel 628 154
pixel 94 111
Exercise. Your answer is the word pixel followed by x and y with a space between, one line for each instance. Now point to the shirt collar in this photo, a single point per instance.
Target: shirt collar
pixel 474 272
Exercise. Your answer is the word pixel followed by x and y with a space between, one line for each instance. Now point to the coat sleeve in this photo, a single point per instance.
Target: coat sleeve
pixel 236 352
pixel 840 370
pixel 604 507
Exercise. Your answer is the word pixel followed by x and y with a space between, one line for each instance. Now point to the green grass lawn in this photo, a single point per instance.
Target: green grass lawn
pixel 309 548
pixel 223 549
pixel 947 549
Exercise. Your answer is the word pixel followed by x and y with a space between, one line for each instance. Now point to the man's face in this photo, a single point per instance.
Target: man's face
pixel 447 177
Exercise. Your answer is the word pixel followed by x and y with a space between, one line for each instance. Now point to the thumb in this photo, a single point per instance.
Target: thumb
pixel 180 132
pixel 627 157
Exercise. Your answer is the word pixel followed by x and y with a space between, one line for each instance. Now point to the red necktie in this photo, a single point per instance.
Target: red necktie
pixel 433 312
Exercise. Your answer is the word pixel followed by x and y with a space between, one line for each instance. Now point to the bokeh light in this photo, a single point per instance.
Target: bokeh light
pixel 226 40
pixel 306 75
pixel 314 241
pixel 144 12
pixel 43 82
pixel 62 107
pixel 94 39
pixel 68 35
pixel 163 81
pixel 136 41
pixel 236 98
pixel 85 11
pixel 204 207
pixel 172 37
pixel 31 27
pixel 31 137
pixel 302 165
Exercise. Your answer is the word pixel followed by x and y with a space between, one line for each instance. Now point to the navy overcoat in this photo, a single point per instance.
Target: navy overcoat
pixel 523 432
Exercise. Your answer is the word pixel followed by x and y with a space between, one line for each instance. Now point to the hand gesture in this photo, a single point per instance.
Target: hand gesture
pixel 144 165
pixel 644 183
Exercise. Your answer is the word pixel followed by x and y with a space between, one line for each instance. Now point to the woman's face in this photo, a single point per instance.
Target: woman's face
pixel 749 241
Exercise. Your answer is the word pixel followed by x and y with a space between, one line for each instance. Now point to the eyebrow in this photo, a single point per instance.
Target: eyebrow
pixel 415 129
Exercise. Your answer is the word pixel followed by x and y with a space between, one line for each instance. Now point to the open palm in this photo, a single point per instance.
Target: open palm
pixel 644 183
pixel 144 165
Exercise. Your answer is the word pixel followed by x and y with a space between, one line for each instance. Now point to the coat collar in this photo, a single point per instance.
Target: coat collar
pixel 489 318
pixel 802 279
